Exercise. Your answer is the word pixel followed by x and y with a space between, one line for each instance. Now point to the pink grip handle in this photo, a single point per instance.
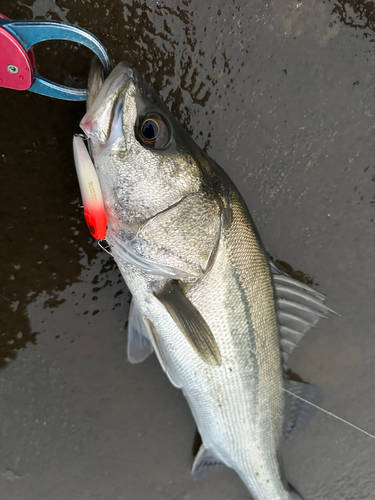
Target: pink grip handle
pixel 16 65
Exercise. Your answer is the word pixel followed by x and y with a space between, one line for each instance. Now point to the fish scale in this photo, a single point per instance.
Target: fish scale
pixel 223 398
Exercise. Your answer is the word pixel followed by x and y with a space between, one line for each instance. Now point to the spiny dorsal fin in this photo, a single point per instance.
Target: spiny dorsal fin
pixel 299 308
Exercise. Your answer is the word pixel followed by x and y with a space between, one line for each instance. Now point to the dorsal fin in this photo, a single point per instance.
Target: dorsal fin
pixel 299 308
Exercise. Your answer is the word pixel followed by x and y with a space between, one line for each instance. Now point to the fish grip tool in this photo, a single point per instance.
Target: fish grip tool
pixel 17 61
pixel 17 71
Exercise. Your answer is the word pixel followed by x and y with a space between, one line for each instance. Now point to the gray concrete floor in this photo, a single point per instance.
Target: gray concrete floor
pixel 281 94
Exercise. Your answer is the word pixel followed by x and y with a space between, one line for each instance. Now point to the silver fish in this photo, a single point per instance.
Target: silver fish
pixel 206 298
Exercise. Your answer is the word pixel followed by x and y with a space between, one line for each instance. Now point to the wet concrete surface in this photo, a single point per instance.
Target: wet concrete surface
pixel 281 94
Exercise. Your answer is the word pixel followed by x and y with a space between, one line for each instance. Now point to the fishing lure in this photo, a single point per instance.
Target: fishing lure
pixel 92 199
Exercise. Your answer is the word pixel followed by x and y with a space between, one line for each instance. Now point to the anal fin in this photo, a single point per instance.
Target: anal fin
pixel 203 460
pixel 300 412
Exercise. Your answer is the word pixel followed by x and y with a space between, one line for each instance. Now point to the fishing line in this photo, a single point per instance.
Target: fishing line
pixel 101 243
pixel 329 413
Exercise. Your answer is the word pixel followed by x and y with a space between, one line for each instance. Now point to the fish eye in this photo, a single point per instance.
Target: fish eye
pixel 150 130
pixel 153 131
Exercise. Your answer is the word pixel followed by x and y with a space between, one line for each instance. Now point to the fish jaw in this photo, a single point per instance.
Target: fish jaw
pixel 102 98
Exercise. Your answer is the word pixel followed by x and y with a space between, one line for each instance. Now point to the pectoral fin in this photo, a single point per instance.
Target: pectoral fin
pixel 161 353
pixel 191 323
pixel 139 344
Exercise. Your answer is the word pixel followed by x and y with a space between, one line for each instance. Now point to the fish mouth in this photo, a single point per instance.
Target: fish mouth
pixel 117 78
pixel 96 123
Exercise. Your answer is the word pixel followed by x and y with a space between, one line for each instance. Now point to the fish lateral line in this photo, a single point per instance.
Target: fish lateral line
pixel 330 413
